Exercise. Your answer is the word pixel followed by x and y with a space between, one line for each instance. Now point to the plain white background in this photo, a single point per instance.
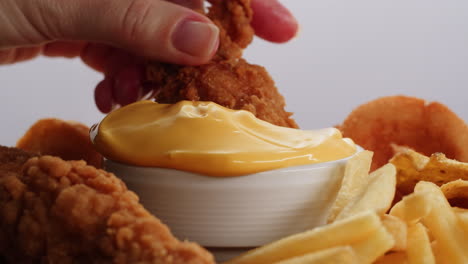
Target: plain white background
pixel 348 52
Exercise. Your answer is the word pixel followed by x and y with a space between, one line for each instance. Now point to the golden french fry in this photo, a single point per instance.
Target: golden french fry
pixel 362 252
pixel 393 258
pixel 335 255
pixel 398 229
pixel 354 182
pixel 459 210
pixel 412 208
pixel 439 255
pixel 419 247
pixel 377 196
pixel 340 233
pixel 443 224
pixel 462 215
pixel 374 246
pixel 365 251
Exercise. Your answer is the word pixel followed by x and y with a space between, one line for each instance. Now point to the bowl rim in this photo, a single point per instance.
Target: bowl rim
pixel 312 166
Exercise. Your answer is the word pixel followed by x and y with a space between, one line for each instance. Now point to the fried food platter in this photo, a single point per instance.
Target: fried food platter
pixel 403 199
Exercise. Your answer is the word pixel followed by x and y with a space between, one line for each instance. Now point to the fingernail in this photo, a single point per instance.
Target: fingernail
pixel 195 38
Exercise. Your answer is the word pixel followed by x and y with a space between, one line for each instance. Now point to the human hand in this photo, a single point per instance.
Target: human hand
pixel 123 83
pixel 107 34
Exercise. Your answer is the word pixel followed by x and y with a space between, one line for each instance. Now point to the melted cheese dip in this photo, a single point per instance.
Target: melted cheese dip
pixel 206 138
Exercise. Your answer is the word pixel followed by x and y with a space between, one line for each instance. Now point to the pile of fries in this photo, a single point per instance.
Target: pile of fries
pixel 428 222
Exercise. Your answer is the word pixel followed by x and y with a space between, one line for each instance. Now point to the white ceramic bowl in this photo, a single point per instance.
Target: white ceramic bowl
pixel 244 211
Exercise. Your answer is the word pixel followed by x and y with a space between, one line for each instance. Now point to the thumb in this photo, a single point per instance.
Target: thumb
pixel 156 29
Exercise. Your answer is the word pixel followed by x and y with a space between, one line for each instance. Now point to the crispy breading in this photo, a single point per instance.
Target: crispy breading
pixel 232 84
pixel 233 19
pixel 427 127
pixel 413 167
pixel 228 79
pixel 55 211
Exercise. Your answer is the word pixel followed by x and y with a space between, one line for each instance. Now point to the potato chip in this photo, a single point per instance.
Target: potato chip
pixel 65 139
pixel 419 247
pixel 413 167
pixel 335 255
pixel 377 195
pixel 354 182
pixel 349 231
pixel 398 229
pixel 444 225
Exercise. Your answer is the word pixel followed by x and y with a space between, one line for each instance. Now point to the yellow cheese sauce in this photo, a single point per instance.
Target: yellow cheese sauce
pixel 206 138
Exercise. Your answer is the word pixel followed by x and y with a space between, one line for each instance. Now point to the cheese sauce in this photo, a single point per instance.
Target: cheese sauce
pixel 209 139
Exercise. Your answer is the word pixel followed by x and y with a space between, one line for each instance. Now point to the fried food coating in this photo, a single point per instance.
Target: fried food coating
pixel 426 127
pixel 413 167
pixel 232 84
pixel 228 79
pixel 55 211
pixel 66 139
pixel 233 18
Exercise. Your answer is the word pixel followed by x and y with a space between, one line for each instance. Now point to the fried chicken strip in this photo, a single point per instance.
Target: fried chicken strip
pixel 55 211
pixel 228 79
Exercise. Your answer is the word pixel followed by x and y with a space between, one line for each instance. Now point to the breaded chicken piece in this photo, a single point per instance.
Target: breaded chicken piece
pixel 55 211
pixel 232 84
pixel 426 127
pixel 68 140
pixel 228 79
pixel 233 18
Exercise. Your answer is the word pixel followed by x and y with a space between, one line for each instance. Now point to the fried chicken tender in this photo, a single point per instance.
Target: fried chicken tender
pixel 66 139
pixel 388 122
pixel 55 211
pixel 228 79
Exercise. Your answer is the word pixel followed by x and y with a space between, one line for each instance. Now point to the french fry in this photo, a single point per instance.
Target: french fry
pixel 439 255
pixel 354 182
pixel 412 208
pixel 398 229
pixel 421 228
pixel 340 233
pixel 362 252
pixel 335 255
pixel 371 248
pixel 393 258
pixel 462 215
pixel 443 224
pixel 419 247
pixel 377 196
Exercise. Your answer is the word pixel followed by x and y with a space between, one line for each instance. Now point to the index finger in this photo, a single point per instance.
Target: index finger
pixel 272 21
